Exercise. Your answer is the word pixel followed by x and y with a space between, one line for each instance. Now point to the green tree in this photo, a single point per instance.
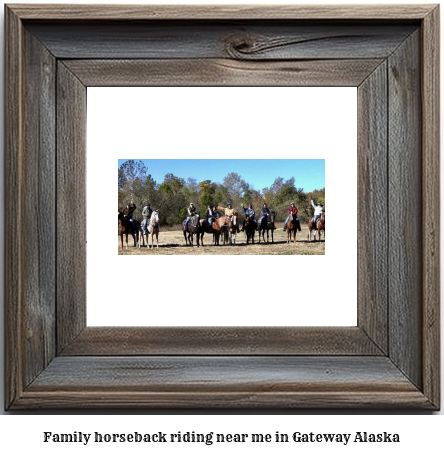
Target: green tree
pixel 171 201
pixel 206 194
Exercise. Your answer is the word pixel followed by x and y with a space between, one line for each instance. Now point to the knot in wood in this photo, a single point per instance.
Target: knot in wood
pixel 238 46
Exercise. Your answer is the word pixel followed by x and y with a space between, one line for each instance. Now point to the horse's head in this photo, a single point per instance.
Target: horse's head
pixel 272 216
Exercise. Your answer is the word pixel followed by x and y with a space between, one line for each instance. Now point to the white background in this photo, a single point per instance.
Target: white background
pixel 197 122
pixel 21 434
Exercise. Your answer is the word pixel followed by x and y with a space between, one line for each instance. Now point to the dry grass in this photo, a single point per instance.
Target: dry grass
pixel 173 243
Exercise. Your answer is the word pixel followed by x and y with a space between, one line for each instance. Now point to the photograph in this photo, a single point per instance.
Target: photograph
pixel 168 206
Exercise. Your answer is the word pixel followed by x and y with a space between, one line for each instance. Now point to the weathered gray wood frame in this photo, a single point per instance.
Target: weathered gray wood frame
pixel 390 360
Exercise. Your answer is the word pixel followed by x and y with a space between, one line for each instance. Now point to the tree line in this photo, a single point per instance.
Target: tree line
pixel 174 194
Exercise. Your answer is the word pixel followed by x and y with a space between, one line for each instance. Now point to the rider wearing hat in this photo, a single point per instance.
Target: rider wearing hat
pixel 318 209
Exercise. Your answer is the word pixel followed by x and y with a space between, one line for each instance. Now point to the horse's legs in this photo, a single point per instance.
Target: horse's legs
pixel 121 240
pixel 157 239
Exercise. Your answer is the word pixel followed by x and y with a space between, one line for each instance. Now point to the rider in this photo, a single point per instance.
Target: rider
pixel 128 213
pixel 191 212
pixel 216 213
pixel 210 215
pixel 292 211
pixel 318 209
pixel 229 212
pixel 265 212
pixel 249 212
pixel 146 213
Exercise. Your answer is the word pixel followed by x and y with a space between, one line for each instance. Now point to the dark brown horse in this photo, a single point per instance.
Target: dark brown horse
pixel 221 227
pixel 204 227
pixel 190 229
pixel 126 227
pixel 267 225
pixel 250 228
pixel 292 226
pixel 320 226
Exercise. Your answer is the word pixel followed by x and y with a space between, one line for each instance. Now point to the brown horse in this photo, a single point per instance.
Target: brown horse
pixel 292 226
pixel 320 226
pixel 204 227
pixel 250 228
pixel 221 227
pixel 126 227
pixel 267 225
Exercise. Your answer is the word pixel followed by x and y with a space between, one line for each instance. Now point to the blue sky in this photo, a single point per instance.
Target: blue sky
pixel 308 174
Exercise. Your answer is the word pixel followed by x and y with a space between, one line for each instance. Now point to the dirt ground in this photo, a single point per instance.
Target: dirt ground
pixel 173 243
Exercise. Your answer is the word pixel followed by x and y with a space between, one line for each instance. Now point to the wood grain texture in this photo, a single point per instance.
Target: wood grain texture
pixel 13 204
pixel 220 12
pixel 405 209
pixel 38 222
pixel 431 200
pixel 221 72
pixel 407 378
pixel 234 382
pixel 126 341
pixel 372 207
pixel 236 40
pixel 71 205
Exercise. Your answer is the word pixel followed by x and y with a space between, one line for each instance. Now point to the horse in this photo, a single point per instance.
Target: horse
pixel 204 227
pixel 250 228
pixel 292 226
pixel 320 226
pixel 126 227
pixel 221 226
pixel 267 225
pixel 190 229
pixel 153 229
pixel 233 228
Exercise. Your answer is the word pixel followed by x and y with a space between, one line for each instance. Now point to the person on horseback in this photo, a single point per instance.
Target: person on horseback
pixel 265 212
pixel 292 211
pixel 229 212
pixel 128 213
pixel 210 214
pixel 191 212
pixel 146 213
pixel 249 212
pixel 318 209
pixel 216 213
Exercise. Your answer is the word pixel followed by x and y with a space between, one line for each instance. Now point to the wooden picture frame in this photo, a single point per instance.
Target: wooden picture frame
pixel 390 360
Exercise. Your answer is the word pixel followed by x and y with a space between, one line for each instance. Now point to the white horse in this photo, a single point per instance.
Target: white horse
pixel 153 229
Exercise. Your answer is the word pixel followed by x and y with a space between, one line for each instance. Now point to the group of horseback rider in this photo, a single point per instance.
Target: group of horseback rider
pixel 214 213
pixel 147 212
